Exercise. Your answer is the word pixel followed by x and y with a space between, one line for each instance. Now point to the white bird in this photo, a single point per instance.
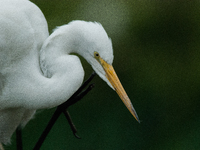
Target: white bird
pixel 37 71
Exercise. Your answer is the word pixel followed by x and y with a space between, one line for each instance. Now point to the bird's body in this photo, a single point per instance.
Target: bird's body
pixel 21 37
pixel 37 70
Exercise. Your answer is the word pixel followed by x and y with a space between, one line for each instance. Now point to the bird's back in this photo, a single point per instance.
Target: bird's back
pixel 23 30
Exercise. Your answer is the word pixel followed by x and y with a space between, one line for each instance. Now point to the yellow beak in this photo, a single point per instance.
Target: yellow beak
pixel 114 80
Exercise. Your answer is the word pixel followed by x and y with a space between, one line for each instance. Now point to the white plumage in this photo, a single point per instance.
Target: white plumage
pixel 37 70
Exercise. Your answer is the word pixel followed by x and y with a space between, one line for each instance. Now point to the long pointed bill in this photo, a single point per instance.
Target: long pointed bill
pixel 114 80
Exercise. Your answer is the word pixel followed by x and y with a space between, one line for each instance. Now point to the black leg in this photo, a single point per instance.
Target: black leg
pixel 70 101
pixel 47 129
pixel 19 138
pixel 76 99
pixel 69 119
pixel 62 108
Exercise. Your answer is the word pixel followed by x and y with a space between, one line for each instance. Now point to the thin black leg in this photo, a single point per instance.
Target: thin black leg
pixel 72 126
pixel 47 129
pixel 62 108
pixel 76 99
pixel 19 138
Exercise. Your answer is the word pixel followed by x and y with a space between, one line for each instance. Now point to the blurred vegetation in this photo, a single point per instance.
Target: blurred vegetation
pixel 157 58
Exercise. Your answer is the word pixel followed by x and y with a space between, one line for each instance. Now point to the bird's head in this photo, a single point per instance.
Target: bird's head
pixel 96 47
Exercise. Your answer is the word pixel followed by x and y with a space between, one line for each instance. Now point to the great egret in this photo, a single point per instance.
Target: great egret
pixel 37 70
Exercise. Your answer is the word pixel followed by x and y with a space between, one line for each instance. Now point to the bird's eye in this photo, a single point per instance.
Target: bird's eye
pixel 96 54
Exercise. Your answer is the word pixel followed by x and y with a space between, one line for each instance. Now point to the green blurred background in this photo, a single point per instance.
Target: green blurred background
pixel 157 58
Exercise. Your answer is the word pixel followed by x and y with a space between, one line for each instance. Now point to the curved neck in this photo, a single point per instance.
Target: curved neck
pixel 65 73
pixel 60 43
